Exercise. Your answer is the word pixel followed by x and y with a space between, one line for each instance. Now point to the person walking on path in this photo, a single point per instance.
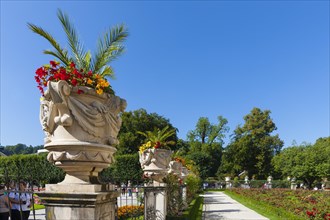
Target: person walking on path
pixel 218 205
pixel 21 201
pixel 4 204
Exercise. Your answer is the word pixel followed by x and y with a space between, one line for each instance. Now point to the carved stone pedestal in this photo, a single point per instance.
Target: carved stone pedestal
pixel 155 202
pixel 77 202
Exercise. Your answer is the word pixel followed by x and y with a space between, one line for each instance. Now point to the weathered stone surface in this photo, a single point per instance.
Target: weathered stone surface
pixel 184 173
pixel 155 163
pixel 78 206
pixel 155 202
pixel 175 168
pixel 81 129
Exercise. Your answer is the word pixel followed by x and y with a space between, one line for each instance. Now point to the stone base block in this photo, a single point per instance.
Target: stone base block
pixel 155 202
pixel 79 202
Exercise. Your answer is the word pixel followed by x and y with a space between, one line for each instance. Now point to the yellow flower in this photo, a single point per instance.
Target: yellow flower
pixel 47 67
pixel 99 91
pixel 89 81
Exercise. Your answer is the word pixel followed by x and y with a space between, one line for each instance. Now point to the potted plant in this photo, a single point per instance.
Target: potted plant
pixel 79 111
pixel 155 153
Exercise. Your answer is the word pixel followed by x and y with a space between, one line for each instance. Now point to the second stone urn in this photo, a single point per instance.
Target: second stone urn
pixel 155 163
pixel 175 168
pixel 81 129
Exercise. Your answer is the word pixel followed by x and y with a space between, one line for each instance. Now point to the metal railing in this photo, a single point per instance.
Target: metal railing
pixel 9 205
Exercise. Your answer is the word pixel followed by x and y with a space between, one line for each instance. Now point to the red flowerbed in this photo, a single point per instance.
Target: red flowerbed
pixel 303 203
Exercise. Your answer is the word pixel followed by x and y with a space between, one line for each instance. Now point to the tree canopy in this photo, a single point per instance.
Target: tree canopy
pixel 139 121
pixel 252 146
pixel 205 143
pixel 309 163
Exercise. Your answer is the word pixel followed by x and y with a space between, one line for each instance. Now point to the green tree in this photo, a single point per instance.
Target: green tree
pixel 109 47
pixel 310 163
pixel 21 149
pixel 202 163
pixel 126 167
pixel 208 138
pixel 139 121
pixel 252 146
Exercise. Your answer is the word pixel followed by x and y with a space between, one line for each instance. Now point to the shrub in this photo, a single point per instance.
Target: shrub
pixel 193 183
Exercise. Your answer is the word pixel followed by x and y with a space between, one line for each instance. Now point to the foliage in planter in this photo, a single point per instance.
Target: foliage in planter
pixel 79 67
pixel 174 195
pixel 158 139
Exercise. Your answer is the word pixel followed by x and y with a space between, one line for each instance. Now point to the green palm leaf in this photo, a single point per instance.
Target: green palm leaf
pixel 60 53
pixel 158 135
pixel 107 71
pixel 75 45
pixel 109 48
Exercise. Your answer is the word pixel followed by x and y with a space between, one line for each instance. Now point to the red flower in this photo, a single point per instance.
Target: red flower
pixel 74 82
pixel 37 79
pixel 310 214
pixel 157 144
pixel 80 91
pixel 53 64
pixel 41 90
pixel 41 72
pixel 90 73
pixel 72 65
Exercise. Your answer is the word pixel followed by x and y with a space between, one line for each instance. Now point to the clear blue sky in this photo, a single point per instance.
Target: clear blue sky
pixel 184 60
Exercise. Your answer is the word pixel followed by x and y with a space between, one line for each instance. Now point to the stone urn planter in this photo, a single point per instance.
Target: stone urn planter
pixel 81 129
pixel 175 168
pixel 184 172
pixel 155 163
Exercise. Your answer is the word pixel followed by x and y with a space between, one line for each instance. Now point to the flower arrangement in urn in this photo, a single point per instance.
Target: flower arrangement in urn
pixel 155 154
pixel 55 72
pixel 79 68
pixel 157 139
pixel 79 111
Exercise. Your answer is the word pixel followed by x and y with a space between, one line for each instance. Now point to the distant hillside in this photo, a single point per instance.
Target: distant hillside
pixel 19 149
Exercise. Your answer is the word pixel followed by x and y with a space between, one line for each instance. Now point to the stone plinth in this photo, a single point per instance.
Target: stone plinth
pixel 77 202
pixel 155 202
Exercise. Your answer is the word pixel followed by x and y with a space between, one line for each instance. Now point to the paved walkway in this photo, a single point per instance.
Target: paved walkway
pixel 40 215
pixel 219 206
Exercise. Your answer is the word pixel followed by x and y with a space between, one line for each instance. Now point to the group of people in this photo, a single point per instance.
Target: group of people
pixel 15 201
pixel 128 189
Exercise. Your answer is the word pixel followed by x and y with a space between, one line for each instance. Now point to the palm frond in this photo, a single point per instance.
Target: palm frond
pixel 109 48
pixel 88 58
pixel 61 53
pixel 55 54
pixel 159 135
pixel 75 45
pixel 107 71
